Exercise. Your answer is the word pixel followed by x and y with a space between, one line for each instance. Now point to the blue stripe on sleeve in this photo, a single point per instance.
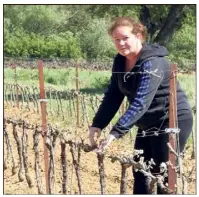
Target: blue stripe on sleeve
pixel 138 102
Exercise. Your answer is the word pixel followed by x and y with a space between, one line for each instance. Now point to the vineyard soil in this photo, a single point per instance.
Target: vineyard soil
pixel 89 168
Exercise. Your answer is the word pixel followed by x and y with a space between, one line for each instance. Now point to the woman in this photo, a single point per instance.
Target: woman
pixel 141 73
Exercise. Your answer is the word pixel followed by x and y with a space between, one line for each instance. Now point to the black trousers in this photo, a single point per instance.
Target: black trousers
pixel 156 147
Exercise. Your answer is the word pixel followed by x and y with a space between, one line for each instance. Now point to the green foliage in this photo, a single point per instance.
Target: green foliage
pixel 14 43
pixel 39 19
pixel 22 74
pixel 57 77
pixel 101 82
pixel 78 19
pixel 15 13
pixel 95 41
pixel 95 80
pixel 183 47
pixel 188 84
pixel 80 31
pixel 190 12
pixel 21 44
pixel 158 11
pixel 112 11
pixel 51 80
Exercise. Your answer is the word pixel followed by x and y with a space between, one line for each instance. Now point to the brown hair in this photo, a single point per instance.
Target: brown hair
pixel 136 26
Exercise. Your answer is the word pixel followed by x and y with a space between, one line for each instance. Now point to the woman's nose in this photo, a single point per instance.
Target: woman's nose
pixel 121 42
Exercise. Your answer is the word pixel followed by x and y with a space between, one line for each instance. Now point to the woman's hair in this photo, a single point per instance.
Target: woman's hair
pixel 136 26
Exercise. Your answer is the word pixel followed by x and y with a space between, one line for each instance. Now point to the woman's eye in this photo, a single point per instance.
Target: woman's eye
pixel 123 39
pixel 116 40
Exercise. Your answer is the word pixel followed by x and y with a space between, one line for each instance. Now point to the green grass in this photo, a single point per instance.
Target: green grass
pixel 90 82
pixel 61 79
pixel 188 84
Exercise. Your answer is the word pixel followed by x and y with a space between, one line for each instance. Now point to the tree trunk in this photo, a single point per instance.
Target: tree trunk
pixel 145 18
pixel 172 23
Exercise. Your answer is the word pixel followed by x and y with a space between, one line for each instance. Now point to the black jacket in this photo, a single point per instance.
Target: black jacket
pixel 147 89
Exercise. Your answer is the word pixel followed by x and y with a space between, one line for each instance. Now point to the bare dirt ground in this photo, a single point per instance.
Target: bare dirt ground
pixel 89 166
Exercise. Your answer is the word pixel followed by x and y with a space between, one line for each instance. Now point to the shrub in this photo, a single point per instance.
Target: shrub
pixel 95 41
pixel 21 44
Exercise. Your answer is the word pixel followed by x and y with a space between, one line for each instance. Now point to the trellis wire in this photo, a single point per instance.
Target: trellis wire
pixel 65 138
pixel 94 105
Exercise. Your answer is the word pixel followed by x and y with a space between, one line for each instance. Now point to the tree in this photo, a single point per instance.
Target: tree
pixel 171 25
pixel 112 11
pixel 95 42
pixel 162 21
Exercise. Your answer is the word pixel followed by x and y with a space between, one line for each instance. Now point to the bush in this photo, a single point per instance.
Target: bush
pixel 51 80
pixel 182 48
pixel 101 82
pixel 95 41
pixel 21 44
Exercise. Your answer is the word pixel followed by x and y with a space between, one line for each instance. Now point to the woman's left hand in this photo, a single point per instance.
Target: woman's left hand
pixel 105 143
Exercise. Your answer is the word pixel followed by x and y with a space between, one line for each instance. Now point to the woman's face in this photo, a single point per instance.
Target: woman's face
pixel 127 43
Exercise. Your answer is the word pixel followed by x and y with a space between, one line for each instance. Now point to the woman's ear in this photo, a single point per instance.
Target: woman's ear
pixel 139 36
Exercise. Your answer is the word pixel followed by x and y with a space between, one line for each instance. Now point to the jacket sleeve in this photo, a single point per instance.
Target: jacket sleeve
pixel 150 79
pixel 109 106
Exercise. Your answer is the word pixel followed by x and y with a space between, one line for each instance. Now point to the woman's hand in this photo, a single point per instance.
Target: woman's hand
pixel 94 135
pixel 105 143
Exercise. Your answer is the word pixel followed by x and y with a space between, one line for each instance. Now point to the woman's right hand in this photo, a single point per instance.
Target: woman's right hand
pixel 94 135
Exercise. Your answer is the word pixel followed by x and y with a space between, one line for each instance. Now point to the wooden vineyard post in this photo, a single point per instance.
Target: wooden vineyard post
pixel 17 90
pixel 44 124
pixel 172 126
pixel 77 94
